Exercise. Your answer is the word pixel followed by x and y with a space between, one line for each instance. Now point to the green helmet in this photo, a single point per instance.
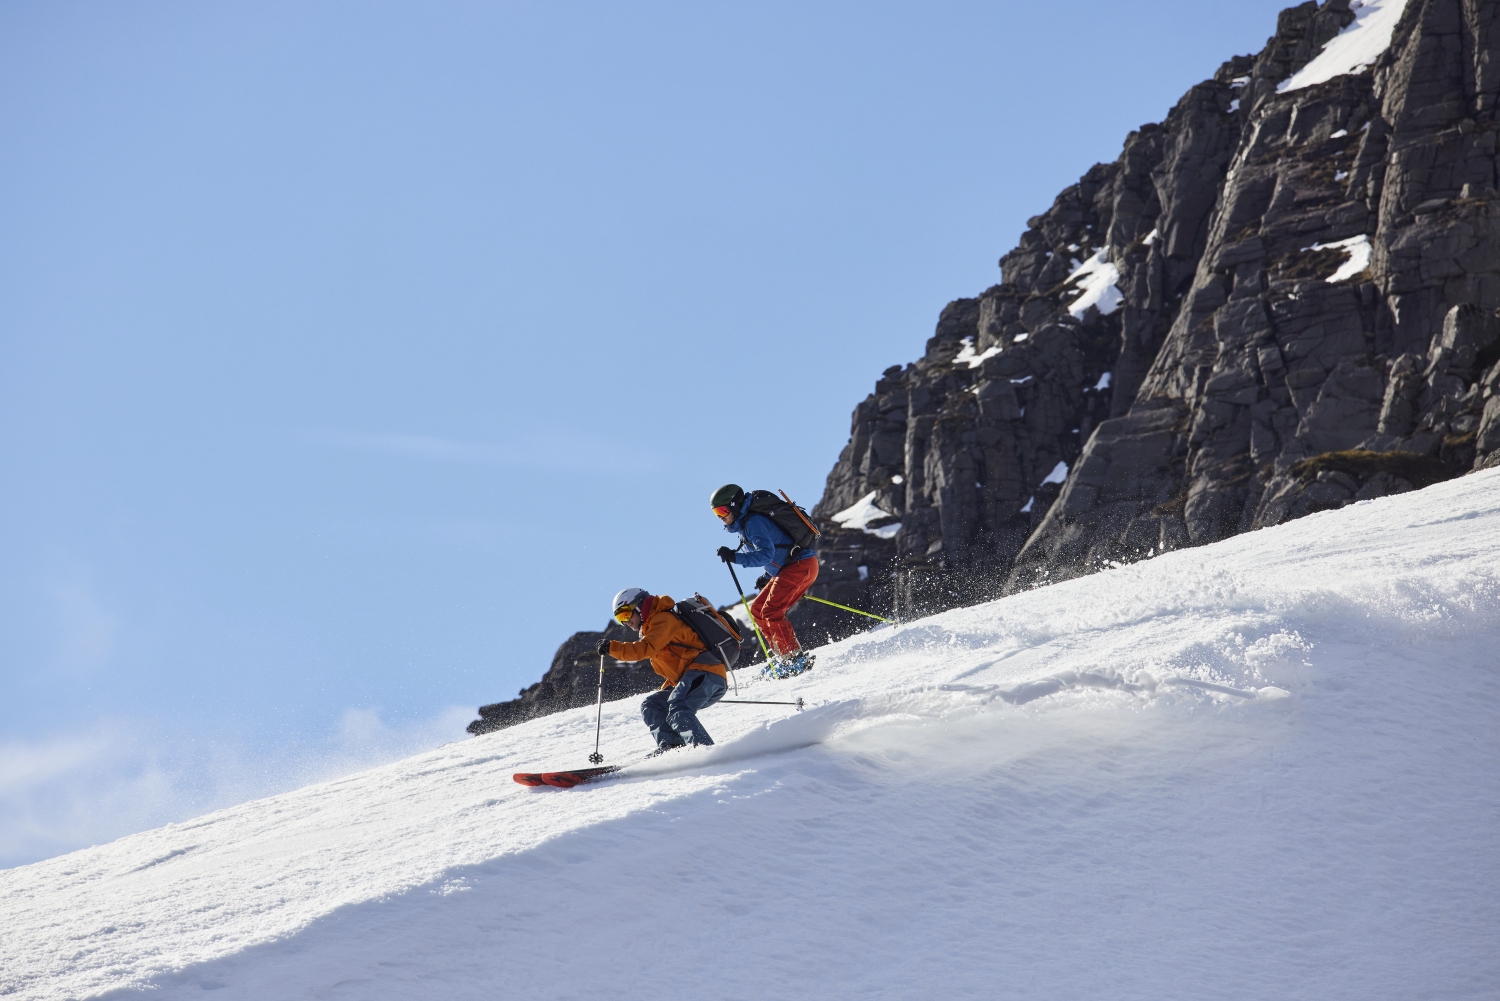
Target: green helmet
pixel 729 495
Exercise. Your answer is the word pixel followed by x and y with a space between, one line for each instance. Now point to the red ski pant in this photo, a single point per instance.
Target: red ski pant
pixel 770 606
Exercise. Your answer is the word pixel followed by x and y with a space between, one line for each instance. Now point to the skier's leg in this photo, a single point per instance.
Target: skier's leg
pixel 801 576
pixel 654 712
pixel 772 604
pixel 758 613
pixel 770 615
pixel 697 690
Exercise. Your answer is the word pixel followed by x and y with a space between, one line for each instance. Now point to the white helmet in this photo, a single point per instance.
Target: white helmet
pixel 631 597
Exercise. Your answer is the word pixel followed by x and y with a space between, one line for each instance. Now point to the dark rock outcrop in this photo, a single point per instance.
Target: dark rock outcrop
pixel 1274 302
pixel 1343 305
pixel 1302 314
pixel 571 681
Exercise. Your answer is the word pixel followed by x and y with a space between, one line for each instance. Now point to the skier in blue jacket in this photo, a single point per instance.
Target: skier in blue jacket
pixel 789 573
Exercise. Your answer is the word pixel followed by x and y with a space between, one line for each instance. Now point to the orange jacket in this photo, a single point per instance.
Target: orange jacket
pixel 668 641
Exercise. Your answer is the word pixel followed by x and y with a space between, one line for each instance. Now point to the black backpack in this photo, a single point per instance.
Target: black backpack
pixel 786 516
pixel 717 633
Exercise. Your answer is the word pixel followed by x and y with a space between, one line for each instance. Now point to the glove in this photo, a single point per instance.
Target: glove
pixel 762 581
pixel 726 554
pixel 603 648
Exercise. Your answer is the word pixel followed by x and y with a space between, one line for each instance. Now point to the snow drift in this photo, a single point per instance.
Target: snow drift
pixel 1263 768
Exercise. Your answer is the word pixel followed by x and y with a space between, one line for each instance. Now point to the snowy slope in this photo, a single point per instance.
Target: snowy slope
pixel 1267 768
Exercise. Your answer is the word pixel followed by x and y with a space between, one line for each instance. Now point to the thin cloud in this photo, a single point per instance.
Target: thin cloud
pixel 66 791
pixel 26 765
pixel 551 450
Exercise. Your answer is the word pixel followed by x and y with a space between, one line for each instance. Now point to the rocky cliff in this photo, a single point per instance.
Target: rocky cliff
pixel 1279 300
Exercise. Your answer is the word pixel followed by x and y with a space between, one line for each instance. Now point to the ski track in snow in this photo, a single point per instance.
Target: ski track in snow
pixel 1265 768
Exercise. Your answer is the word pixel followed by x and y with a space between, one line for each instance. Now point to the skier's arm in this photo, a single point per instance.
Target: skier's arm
pixel 762 551
pixel 648 644
pixel 620 650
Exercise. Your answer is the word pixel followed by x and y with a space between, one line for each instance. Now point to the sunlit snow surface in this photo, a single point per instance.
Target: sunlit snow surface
pixel 1354 48
pixel 1267 768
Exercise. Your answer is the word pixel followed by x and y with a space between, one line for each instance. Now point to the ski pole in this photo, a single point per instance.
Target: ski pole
pixel 596 757
pixel 757 702
pixel 746 602
pixel 825 601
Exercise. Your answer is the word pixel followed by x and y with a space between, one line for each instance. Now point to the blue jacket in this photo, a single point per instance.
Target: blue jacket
pixel 768 544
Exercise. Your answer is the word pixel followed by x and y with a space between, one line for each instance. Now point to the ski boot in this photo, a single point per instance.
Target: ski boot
pixel 788 667
pixel 772 669
pixel 801 663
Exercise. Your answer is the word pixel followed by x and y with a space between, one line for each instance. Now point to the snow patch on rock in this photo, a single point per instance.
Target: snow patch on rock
pixel 967 355
pixel 1352 49
pixel 1097 279
pixel 864 511
pixel 1358 248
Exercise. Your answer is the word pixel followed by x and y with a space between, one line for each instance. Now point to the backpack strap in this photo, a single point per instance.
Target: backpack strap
pixel 798 512
pixel 709 606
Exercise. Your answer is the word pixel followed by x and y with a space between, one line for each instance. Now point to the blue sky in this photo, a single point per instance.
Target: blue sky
pixel 352 355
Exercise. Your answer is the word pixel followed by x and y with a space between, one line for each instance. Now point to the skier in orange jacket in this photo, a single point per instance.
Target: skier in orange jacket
pixel 694 677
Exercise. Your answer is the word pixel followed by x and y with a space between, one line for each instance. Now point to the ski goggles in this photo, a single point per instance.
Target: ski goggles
pixel 720 512
pixel 623 613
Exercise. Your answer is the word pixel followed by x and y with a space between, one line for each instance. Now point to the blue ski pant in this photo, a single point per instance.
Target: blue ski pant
pixel 672 713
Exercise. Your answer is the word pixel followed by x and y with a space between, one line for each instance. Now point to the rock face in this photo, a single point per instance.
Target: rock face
pixel 1282 299
pixel 571 681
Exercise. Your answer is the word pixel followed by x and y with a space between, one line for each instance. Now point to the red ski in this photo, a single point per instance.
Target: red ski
pixel 564 780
